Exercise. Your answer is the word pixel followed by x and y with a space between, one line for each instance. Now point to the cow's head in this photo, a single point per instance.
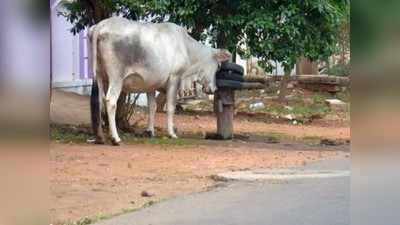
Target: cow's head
pixel 204 70
pixel 207 78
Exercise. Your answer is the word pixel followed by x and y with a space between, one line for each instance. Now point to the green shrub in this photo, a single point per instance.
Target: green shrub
pixel 339 70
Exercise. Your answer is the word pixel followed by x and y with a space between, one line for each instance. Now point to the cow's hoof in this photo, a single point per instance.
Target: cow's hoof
pixel 148 133
pixel 115 142
pixel 173 136
pixel 99 141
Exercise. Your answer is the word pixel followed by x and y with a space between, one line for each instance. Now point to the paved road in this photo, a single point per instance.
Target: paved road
pixel 297 202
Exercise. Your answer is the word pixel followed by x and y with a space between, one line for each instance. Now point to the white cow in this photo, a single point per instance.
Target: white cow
pixel 128 56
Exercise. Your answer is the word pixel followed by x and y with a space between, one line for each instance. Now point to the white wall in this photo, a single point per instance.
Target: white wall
pixel 277 71
pixel 241 62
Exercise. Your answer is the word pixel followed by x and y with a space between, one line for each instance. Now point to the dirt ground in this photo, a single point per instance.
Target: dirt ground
pixel 90 180
pixel 69 108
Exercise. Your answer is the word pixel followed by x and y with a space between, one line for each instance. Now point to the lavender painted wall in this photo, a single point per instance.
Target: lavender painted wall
pixel 69 53
pixel 82 69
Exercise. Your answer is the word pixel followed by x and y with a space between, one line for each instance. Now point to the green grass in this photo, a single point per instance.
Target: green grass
pixel 277 136
pixel 310 111
pixel 312 140
pixel 275 108
pixel 69 133
pixel 344 96
pixel 299 108
pixel 83 221
pixel 132 139
pixel 80 134
pixel 307 140
pixel 299 111
pixel 321 141
pixel 274 136
pixel 100 217
pixel 95 219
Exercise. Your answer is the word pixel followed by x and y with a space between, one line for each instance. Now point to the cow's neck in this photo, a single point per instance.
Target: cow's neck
pixel 198 52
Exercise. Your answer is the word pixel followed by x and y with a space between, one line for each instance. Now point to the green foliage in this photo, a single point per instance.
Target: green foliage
pixel 271 30
pixel 339 70
pixel 294 29
pixel 84 13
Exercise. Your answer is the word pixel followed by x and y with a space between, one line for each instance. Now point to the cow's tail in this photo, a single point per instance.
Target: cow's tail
pixel 95 106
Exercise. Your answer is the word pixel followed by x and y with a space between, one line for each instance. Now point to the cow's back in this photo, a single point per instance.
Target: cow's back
pixel 156 47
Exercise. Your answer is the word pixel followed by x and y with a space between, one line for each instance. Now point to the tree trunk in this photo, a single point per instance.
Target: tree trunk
pixel 221 39
pixel 224 105
pixel 234 56
pixel 283 86
pixel 161 100
pixel 306 67
pixel 122 113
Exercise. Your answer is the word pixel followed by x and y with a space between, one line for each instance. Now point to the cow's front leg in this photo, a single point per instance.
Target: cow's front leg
pixel 152 108
pixel 171 105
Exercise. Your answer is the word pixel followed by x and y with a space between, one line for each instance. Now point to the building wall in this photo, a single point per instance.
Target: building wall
pixel 69 54
pixel 64 47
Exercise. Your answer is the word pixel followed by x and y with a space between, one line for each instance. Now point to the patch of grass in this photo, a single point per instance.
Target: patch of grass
pixel 84 221
pixel 80 134
pixel 99 217
pixel 275 137
pixel 127 210
pixel 344 96
pixel 95 219
pixel 312 140
pixel 309 112
pixel 131 139
pixel 278 136
pixel 321 141
pixel 274 108
pixel 318 98
pixel 300 110
pixel 150 203
pixel 168 141
pixel 69 133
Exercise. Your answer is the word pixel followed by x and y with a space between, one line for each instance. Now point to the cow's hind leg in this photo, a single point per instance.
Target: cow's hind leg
pixel 152 108
pixel 113 93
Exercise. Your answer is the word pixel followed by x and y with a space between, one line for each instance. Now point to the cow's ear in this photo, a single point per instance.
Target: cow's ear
pixel 222 55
